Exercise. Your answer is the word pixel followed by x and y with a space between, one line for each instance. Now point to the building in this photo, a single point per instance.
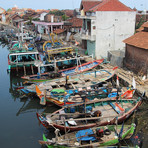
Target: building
pixel 2 15
pixel 49 24
pixel 75 24
pixel 42 15
pixel 15 20
pixel 136 53
pixel 106 23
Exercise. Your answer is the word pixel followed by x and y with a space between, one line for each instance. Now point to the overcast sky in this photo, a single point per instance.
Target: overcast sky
pixel 63 4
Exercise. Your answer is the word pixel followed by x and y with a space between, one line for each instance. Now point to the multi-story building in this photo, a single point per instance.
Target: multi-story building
pixel 106 23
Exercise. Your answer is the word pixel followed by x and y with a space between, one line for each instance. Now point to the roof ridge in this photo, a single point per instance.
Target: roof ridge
pixel 100 4
pixel 104 2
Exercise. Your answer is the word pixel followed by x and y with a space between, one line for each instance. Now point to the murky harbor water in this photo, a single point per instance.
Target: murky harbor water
pixel 19 125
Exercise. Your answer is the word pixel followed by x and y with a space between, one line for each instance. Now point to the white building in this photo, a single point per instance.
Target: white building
pixel 106 23
pixel 42 16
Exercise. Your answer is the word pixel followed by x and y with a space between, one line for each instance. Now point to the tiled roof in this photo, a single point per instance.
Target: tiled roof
pixel 142 27
pixel 87 5
pixel 139 39
pixel 58 31
pixel 2 10
pixel 145 25
pixel 69 13
pixel 111 5
pixel 76 22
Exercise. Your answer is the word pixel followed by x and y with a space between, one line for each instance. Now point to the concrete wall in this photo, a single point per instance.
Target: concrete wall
pixel 93 27
pixel 111 29
pixel 40 29
pixel 116 57
pixel 42 16
pixel 91 48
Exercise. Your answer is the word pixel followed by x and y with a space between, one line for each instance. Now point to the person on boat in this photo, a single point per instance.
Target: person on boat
pixel 66 85
pixel 97 113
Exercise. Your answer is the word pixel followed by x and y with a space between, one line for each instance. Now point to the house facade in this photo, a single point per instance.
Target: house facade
pixel 49 24
pixel 76 24
pixel 136 53
pixel 106 23
pixel 42 15
pixel 2 15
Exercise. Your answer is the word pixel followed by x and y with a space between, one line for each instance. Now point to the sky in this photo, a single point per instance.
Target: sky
pixel 63 4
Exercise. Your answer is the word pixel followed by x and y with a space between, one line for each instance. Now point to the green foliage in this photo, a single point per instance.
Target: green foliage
pixel 30 20
pixel 9 10
pixel 57 12
pixel 64 17
pixel 138 25
pixel 36 19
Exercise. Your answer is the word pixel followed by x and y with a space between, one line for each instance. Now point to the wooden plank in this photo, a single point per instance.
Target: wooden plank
pixel 90 118
pixel 94 101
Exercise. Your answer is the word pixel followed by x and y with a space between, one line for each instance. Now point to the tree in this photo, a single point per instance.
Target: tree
pixel 9 10
pixel 138 25
pixel 57 12
pixel 64 17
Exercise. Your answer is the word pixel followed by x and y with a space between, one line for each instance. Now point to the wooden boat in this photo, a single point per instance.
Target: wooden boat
pixel 90 114
pixel 93 137
pixel 23 59
pixel 73 70
pixel 61 97
pixel 71 82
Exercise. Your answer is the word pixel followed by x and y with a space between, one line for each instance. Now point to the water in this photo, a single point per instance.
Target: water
pixel 19 125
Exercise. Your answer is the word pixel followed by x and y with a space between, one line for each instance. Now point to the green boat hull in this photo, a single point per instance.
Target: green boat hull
pixel 114 141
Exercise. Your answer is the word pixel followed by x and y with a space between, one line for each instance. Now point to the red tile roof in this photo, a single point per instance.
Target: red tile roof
pixel 142 27
pixel 76 22
pixel 139 39
pixel 69 13
pixel 145 25
pixel 111 5
pixel 87 5
pixel 58 31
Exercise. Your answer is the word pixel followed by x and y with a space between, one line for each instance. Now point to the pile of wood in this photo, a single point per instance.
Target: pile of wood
pixel 127 75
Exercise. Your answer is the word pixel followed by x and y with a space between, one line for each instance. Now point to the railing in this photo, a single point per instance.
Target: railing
pixel 86 35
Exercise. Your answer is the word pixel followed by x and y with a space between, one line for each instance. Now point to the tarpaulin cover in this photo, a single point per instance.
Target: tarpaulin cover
pixel 85 135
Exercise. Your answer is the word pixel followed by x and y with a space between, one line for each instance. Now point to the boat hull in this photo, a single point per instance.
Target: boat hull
pixel 120 119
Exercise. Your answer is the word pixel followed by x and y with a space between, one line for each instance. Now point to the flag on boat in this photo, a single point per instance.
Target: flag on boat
pixel 117 81
pixel 134 83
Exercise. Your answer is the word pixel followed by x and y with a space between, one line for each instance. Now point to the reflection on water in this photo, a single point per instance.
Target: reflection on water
pixel 29 104
pixel 19 124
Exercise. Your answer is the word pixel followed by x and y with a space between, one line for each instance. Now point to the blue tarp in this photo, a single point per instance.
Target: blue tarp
pixel 83 135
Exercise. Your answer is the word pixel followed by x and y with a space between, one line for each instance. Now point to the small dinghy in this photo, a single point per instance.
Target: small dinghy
pixel 93 137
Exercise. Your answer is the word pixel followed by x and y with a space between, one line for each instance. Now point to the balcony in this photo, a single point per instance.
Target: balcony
pixel 89 15
pixel 86 36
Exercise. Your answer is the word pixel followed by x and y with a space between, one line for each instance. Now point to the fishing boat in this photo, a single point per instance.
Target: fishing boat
pixel 61 97
pixel 72 82
pixel 90 114
pixel 23 60
pixel 92 137
pixel 61 73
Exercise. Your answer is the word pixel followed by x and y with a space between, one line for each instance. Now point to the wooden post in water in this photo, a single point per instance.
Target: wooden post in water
pixel 17 69
pixel 24 70
pixel 44 96
pixel 32 69
pixel 64 128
